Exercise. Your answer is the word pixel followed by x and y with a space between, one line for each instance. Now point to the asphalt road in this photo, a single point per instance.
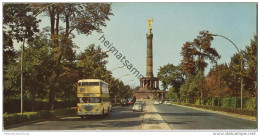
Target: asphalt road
pixel 121 118
pixel 182 118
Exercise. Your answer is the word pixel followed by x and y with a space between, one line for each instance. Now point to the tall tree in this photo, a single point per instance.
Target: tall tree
pixel 197 52
pixel 92 62
pixel 19 25
pixel 250 77
pixel 19 22
pixel 82 17
pixel 217 82
pixel 171 76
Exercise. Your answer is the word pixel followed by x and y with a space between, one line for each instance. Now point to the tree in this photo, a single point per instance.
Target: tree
pixel 92 63
pixel 218 82
pixel 9 54
pixel 185 92
pixel 19 23
pixel 195 54
pixel 197 85
pixel 171 76
pixel 250 77
pixel 84 18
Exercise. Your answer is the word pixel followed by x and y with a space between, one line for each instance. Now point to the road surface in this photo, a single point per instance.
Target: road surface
pixel 160 117
pixel 121 118
pixel 183 118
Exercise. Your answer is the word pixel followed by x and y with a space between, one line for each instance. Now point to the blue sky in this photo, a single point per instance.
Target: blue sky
pixel 174 24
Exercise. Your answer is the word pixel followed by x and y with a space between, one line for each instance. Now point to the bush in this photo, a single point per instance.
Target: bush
pixel 14 118
pixel 12 105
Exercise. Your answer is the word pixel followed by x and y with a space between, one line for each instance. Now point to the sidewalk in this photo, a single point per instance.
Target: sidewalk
pixel 152 120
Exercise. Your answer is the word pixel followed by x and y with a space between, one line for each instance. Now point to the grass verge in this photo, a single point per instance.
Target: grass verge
pixel 225 109
pixel 15 118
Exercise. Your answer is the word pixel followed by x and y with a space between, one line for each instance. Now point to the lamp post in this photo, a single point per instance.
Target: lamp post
pixel 130 80
pixel 123 76
pixel 117 68
pixel 22 76
pixel 241 63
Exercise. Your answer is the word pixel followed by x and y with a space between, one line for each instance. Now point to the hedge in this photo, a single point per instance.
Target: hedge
pixel 12 105
pixel 14 118
pixel 225 109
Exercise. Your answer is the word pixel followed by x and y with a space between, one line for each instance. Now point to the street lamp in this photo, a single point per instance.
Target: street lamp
pixel 117 68
pixel 123 76
pixel 240 64
pixel 130 80
pixel 22 76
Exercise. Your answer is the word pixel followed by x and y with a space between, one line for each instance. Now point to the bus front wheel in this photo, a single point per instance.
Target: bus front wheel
pixel 108 111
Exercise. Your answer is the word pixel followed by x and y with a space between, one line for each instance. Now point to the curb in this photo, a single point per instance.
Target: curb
pixel 221 112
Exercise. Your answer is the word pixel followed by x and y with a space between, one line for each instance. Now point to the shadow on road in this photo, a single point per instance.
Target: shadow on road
pixel 108 125
pixel 186 114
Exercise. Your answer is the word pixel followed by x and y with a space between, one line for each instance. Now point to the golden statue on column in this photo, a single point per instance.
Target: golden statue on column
pixel 149 24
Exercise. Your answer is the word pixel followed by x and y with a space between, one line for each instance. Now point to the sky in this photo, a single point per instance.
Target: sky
pixel 174 24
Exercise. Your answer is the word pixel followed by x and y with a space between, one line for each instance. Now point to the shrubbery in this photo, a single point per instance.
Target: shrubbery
pixel 14 118
pixel 12 105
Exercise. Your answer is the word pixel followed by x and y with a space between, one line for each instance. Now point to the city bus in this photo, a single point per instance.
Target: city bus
pixel 93 98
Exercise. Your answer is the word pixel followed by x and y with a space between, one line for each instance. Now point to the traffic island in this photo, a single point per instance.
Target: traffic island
pixel 152 120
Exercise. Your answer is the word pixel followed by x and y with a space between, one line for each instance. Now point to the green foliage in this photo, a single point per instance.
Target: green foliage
pixel 19 21
pixel 222 85
pixel 197 52
pixel 37 104
pixel 250 73
pixel 15 118
pixel 171 76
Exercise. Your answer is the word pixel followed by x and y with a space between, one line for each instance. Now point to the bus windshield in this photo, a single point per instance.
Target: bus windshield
pixel 89 100
pixel 88 84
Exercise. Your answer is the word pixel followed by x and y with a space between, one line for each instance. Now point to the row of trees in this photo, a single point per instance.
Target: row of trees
pixel 51 66
pixel 187 82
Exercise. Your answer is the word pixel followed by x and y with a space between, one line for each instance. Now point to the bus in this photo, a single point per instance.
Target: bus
pixel 93 98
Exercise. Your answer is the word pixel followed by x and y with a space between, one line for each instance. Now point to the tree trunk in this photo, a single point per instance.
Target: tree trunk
pixel 52 18
pixel 218 101
pixel 235 99
pixel 67 25
pixel 57 28
pixel 53 89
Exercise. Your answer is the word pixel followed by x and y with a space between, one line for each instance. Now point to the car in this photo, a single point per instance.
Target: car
pixel 138 107
pixel 139 101
pixel 110 107
pixel 160 101
pixel 167 102
pixel 156 102
pixel 130 101
pixel 124 102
